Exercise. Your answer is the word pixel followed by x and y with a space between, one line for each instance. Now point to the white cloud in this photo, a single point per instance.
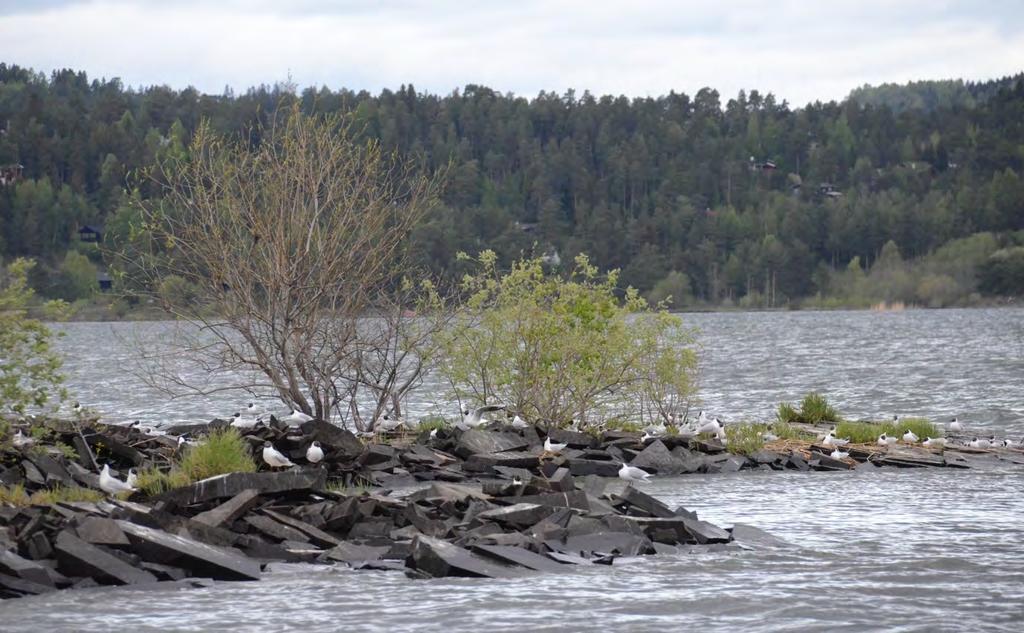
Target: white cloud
pixel 798 51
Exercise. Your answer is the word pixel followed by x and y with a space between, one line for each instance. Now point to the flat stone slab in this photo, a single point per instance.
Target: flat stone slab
pixel 313 534
pixel 520 514
pixel 79 558
pixel 658 459
pixel 275 529
pixel 621 543
pixel 199 558
pixel 519 556
pixel 483 462
pixel 14 565
pixel 756 538
pixel 476 441
pixel 355 553
pixel 440 559
pixel 229 510
pixel 645 502
pixel 101 531
pixel 223 486
pixel 333 438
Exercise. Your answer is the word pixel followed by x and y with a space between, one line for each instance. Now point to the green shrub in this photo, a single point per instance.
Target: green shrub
pixel 814 409
pixel 224 451
pixel 569 348
pixel 868 432
pixel 745 439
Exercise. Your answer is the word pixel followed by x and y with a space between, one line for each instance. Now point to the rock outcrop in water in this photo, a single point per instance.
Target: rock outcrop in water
pixel 484 502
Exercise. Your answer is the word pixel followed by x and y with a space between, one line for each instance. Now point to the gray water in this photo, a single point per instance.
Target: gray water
pixel 904 550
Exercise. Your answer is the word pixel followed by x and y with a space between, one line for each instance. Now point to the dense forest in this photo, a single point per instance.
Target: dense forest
pixel 898 193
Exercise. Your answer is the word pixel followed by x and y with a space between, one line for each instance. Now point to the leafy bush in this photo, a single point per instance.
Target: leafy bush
pixel 77 278
pixel 558 348
pixel 745 439
pixel 814 409
pixel 29 367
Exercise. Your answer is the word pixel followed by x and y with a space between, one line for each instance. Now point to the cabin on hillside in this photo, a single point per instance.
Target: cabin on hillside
pixel 829 190
pixel 104 281
pixel 10 174
pixel 90 233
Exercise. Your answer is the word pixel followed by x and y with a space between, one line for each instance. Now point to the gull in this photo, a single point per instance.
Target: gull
pixel 314 453
pixel 77 408
pixel 838 454
pixel 938 442
pixel 475 417
pixel 955 426
pixel 885 440
pixel 1008 443
pixel 386 424
pixel 519 423
pixel 700 418
pixel 239 422
pixel 517 480
pixel 253 410
pixel 20 440
pixel 112 485
pixel 552 447
pixel 714 427
pixel 768 436
pixel 273 457
pixel 147 430
pixel 832 440
pixel 632 473
pixel 185 440
pixel 896 419
pixel 831 431
pixel 433 434
pixel 910 437
pixel 655 430
pixel 296 417
pixel 132 479
pixel 979 443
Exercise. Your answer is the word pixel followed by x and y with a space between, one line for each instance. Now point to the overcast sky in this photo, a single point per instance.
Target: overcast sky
pixel 800 51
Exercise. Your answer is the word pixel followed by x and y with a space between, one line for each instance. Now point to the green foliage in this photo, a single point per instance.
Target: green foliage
pixel 1003 272
pixel 814 409
pixel 29 366
pixel 673 289
pixel 745 439
pixel 223 451
pixel 77 279
pixel 868 432
pixel 17 496
pixel 176 291
pixel 559 349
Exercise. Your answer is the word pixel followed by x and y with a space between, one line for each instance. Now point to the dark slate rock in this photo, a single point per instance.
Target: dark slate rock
pixel 562 481
pixel 78 558
pixel 645 502
pixel 692 461
pixel 825 462
pixel 569 559
pixel 518 556
pixel 313 534
pixel 354 553
pixel 657 458
pixel 14 565
pixel 274 529
pixel 379 456
pixel 114 447
pixel 223 486
pixel 574 439
pixel 37 547
pixel 439 559
pixel 584 467
pixel 520 514
pixel 199 558
pixel 476 441
pixel 765 456
pixel 485 462
pixel 371 528
pixel 797 461
pixel 704 532
pixel 52 470
pixel 333 438
pixel 101 531
pixel 230 510
pixel 164 572
pixel 22 586
pixel 619 543
pixel 32 474
pixel 757 538
pixel 724 463
pixel 575 499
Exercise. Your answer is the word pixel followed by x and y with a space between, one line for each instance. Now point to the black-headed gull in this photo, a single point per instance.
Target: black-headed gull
pixel 314 453
pixel 111 484
pixel 632 473
pixel 274 458
pixel 475 417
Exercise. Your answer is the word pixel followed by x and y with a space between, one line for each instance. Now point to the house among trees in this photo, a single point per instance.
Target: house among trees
pixel 90 233
pixel 767 165
pixel 829 191
pixel 10 174
pixel 104 281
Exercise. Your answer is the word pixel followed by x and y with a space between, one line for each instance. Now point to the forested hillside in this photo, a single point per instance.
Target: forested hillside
pixel 711 199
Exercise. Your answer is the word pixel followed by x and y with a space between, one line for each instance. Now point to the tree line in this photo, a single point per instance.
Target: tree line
pixel 744 200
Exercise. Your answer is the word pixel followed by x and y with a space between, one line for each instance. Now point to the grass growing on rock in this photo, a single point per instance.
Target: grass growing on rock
pixel 868 432
pixel 16 495
pixel 223 451
pixel 745 439
pixel 814 409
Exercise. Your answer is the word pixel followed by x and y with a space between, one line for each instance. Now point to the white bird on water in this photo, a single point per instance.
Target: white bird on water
pixel 111 484
pixel 20 440
pixel 632 473
pixel 476 418
pixel 910 437
pixel 296 417
pixel 314 453
pixel 553 447
pixel 955 426
pixel 274 458
pixel 934 442
pixel 838 454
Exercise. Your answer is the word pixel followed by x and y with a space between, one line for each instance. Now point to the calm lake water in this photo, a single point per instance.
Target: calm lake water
pixel 903 550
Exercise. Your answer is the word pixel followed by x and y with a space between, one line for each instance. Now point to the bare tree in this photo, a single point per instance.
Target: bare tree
pixel 288 254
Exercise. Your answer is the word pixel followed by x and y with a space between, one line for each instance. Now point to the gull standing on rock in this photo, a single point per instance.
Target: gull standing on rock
pixel 552 447
pixel 274 458
pixel 475 417
pixel 955 426
pixel 314 453
pixel 518 422
pixel 239 422
pixel 20 440
pixel 111 484
pixel 910 437
pixel 296 418
pixel 713 427
pixel 938 442
pixel 832 440
pixel 632 473
pixel 386 424
pixel 885 440
pixel 132 479
pixel 838 454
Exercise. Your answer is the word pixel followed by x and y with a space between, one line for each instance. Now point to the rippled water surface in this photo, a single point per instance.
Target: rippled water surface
pixel 905 550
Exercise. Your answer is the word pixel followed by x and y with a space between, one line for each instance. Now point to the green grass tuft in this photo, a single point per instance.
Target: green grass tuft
pixel 16 495
pixel 224 451
pixel 868 432
pixel 745 439
pixel 814 409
